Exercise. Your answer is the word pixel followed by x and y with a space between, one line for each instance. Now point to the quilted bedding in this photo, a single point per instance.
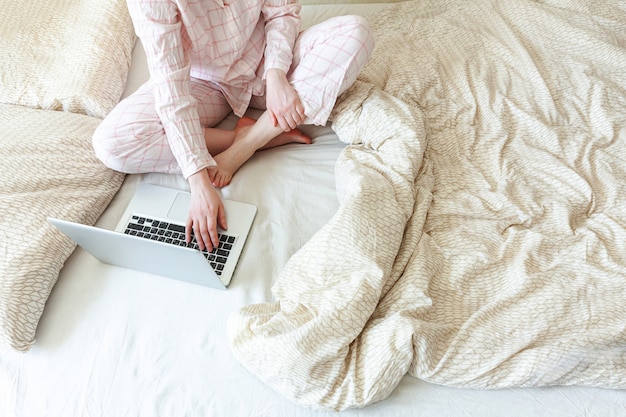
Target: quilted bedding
pixel 48 169
pixel 64 66
pixel 481 235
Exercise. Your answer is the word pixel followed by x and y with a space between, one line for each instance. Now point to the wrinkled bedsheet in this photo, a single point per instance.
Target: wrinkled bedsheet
pixel 481 235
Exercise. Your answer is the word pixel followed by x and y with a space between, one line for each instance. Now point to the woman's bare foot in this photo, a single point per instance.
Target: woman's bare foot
pixel 231 159
pixel 293 136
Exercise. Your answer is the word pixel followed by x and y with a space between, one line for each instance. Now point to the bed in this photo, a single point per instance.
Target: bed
pixel 453 243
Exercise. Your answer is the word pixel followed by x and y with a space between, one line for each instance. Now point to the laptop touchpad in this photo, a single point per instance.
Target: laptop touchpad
pixel 180 207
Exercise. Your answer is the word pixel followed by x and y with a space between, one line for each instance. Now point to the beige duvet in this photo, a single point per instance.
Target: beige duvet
pixel 481 235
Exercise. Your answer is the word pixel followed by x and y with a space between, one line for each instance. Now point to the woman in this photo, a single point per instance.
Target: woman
pixel 210 57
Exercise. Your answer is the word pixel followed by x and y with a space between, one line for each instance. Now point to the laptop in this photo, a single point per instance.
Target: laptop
pixel 150 237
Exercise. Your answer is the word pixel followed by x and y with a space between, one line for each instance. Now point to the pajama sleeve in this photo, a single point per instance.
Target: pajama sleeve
pixel 282 25
pixel 158 26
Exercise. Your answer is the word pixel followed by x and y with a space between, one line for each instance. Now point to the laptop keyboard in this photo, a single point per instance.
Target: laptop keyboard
pixel 174 234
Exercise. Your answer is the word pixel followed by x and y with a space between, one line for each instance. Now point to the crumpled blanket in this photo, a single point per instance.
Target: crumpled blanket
pixel 481 235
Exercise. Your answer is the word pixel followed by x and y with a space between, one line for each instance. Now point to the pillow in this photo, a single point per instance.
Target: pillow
pixel 47 168
pixel 65 54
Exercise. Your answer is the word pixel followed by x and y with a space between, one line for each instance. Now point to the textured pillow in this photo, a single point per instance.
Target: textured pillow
pixel 47 168
pixel 65 54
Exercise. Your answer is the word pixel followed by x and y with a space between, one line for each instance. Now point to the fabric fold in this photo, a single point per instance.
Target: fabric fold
pixel 481 231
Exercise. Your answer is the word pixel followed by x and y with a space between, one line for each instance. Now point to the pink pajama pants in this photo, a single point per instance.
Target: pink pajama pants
pixel 327 60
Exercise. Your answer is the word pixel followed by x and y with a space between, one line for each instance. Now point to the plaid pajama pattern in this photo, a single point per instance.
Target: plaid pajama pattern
pixel 208 58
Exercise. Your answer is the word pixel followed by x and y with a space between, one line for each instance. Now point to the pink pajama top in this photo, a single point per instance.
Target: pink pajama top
pixel 222 41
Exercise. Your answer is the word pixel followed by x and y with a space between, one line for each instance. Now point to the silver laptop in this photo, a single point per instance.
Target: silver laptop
pixel 150 237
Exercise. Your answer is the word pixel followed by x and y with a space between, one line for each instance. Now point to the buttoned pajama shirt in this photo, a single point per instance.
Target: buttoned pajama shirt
pixel 210 57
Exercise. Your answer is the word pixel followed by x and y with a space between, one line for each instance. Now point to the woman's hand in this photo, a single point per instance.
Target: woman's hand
pixel 282 101
pixel 206 212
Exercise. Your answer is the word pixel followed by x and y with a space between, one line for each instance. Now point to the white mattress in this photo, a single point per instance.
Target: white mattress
pixel 115 342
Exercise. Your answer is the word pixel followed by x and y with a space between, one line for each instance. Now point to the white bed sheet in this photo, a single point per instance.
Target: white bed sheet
pixel 115 342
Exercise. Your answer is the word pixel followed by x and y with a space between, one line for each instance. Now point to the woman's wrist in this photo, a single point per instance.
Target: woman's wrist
pixel 199 179
pixel 274 75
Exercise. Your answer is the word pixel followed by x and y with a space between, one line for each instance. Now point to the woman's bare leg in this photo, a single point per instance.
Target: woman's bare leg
pixel 293 136
pixel 231 149
pixel 218 140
